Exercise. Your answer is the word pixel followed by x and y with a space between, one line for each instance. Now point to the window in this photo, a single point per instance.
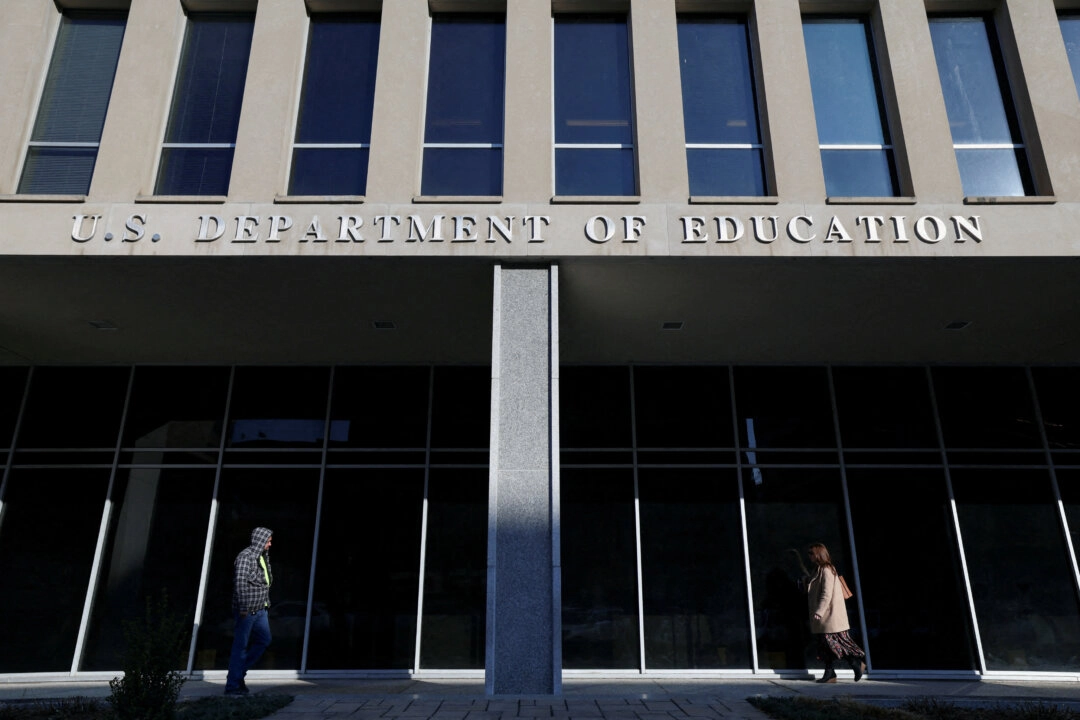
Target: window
pixel 333 130
pixel 1070 32
pixel 64 142
pixel 594 129
pixel 856 154
pixel 464 130
pixel 724 154
pixel 985 130
pixel 197 155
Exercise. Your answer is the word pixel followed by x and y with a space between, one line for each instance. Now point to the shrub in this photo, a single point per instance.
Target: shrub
pixel 151 684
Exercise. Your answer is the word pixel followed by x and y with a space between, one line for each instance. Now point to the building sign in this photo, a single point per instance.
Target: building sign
pixel 534 229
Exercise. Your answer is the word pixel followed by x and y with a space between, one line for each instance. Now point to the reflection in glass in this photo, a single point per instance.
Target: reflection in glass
pixel 1021 576
pixel 783 408
pixel 599 578
pixel 282 499
pixel 1069 486
pixel 984 407
pixel 76 407
pixel 156 530
pixel 1058 390
pixel 278 407
pixel 176 407
pixel 902 521
pixel 693 574
pixel 455 571
pixel 786 511
pixel 47 540
pixel 369 537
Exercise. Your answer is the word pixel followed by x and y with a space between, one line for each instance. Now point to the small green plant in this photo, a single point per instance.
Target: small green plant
pixel 151 684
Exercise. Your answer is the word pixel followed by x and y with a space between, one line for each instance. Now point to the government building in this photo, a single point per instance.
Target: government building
pixel 545 335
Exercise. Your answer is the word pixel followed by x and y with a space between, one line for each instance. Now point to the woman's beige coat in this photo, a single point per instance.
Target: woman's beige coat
pixel 824 597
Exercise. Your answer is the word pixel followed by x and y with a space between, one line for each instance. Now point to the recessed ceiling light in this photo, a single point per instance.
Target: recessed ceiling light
pixel 103 325
pixel 383 324
pixel 958 325
pixel 672 325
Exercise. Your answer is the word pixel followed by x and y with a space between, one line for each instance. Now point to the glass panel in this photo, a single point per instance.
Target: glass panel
pixel 693 575
pixel 884 408
pixel 783 408
pixel 278 407
pixel 1001 173
pixel 786 511
pixel 1059 400
pixel 594 407
pixel 984 407
pixel 682 407
pixel 58 170
pixel 859 173
pixel 465 80
pixel 901 516
pixel 74 408
pixel 176 407
pixel 343 53
pixel 461 409
pixel 717 80
pixel 329 171
pixel 1021 576
pixel 462 171
pixel 283 500
pixel 156 532
pixel 1069 487
pixel 726 172
pixel 594 171
pixel 455 571
pixel 843 77
pixel 1070 32
pixel 599 578
pixel 592 80
pixel 195 171
pixel 380 407
pixel 12 388
pixel 352 626
pixel 47 540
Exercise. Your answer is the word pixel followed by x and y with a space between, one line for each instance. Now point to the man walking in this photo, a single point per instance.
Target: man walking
pixel 250 601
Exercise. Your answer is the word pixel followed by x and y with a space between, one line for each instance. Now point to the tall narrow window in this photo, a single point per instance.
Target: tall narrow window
pixel 463 134
pixel 985 130
pixel 64 142
pixel 1070 32
pixel 856 154
pixel 333 130
pixel 724 154
pixel 197 155
pixel 594 128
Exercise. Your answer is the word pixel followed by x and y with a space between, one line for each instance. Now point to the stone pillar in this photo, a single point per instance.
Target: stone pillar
pixel 524 628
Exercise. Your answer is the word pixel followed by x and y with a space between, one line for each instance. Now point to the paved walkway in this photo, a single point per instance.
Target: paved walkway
pixel 631 699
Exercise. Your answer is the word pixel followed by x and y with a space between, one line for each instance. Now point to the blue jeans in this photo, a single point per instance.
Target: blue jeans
pixel 253 629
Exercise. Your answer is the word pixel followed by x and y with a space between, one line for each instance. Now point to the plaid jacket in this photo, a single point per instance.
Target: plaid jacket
pixel 251 591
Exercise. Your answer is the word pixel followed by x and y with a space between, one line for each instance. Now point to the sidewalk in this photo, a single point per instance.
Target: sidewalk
pixel 630 699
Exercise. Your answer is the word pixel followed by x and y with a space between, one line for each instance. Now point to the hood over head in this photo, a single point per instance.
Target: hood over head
pixel 259 536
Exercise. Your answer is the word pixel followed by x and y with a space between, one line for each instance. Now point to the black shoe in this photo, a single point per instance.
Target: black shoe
pixel 860 670
pixel 828 677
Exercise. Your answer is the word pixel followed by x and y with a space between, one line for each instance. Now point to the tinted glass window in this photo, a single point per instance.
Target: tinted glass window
pixel 848 106
pixel 783 408
pixel 724 152
pixel 176 407
pixel 74 408
pixel 461 408
pixel 1058 390
pixel 1070 32
pixel 71 115
pixel 196 158
pixel 380 407
pixel 12 389
pixel 884 408
pixel 594 131
pixel 336 106
pixel 986 408
pixel 595 407
pixel 278 407
pixel 464 129
pixel 682 407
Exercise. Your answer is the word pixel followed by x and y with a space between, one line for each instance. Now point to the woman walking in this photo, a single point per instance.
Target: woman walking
pixel 829 618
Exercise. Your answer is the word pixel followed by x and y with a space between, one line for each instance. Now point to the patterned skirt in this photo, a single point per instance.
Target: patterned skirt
pixel 837 646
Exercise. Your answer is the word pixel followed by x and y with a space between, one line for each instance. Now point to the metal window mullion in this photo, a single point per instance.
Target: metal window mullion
pixel 198 145
pixel 724 146
pixel 211 525
pixel 742 518
pixel 855 146
pixel 330 146
pixel 847 515
pixel 53 143
pixel 424 522
pixel 103 531
pixel 318 524
pixel 956 524
pixel 988 146
pixel 466 145
pixel 1053 479
pixel 14 437
pixel 637 525
pixel 594 146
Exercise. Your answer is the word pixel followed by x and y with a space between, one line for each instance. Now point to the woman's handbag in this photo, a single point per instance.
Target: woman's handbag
pixel 843 587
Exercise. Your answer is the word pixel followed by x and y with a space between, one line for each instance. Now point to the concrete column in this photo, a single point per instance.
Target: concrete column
pixel 524 629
